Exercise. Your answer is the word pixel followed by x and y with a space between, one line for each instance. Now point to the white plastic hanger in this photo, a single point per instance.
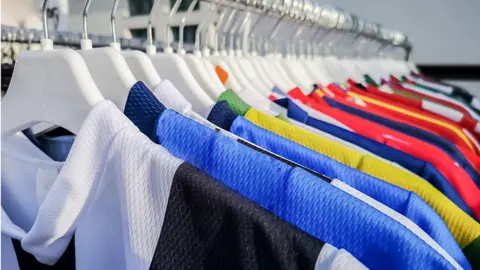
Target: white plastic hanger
pixel 305 46
pixel 314 62
pixel 213 86
pixel 200 34
pixel 264 66
pixel 139 63
pixel 274 60
pixel 269 62
pixel 244 64
pixel 293 68
pixel 172 67
pixel 208 58
pixel 258 64
pixel 226 58
pixel 49 85
pixel 252 57
pixel 107 67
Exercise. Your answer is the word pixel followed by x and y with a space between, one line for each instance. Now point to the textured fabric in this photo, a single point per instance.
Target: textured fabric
pixel 220 150
pixel 278 94
pixel 336 151
pixel 90 194
pixel 403 113
pixel 170 97
pixel 415 165
pixel 404 202
pixel 410 85
pixel 434 110
pixel 407 97
pixel 167 227
pixel 222 115
pixel 209 226
pixel 238 106
pixel 400 219
pixel 138 96
pixel 15 257
pixel 285 191
pixel 56 147
pixel 336 259
pixel 472 251
pixel 406 129
pixel 258 101
pixel 276 111
pixel 464 228
pixel 453 91
pixel 444 127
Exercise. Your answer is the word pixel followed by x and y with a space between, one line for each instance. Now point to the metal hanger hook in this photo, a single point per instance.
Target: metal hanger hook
pixel 150 19
pixel 112 20
pixel 172 13
pixel 183 22
pixel 85 14
pixel 203 24
pixel 44 18
pixel 220 19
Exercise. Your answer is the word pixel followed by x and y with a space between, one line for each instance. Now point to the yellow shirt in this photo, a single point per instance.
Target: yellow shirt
pixel 457 131
pixel 463 227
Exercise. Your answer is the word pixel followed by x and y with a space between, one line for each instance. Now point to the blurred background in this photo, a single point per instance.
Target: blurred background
pixel 445 33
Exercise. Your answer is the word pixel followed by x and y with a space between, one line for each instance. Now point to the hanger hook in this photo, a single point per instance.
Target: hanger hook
pixel 220 20
pixel 204 22
pixel 286 10
pixel 226 28
pixel 241 28
pixel 182 24
pixel 234 30
pixel 173 11
pixel 300 17
pixel 112 21
pixel 44 18
pixel 253 27
pixel 85 14
pixel 149 25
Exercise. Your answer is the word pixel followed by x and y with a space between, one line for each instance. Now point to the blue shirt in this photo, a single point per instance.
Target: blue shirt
pixel 426 136
pixel 422 168
pixel 298 197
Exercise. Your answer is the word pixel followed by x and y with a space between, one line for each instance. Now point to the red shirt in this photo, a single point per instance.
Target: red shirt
pixel 412 120
pixel 398 87
pixel 342 97
pixel 418 105
pixel 456 175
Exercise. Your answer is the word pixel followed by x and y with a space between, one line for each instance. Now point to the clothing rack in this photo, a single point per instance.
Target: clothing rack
pixel 325 17
pixel 71 39
pixel 332 19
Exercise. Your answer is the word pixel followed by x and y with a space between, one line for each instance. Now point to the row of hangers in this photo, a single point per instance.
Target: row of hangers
pixel 60 86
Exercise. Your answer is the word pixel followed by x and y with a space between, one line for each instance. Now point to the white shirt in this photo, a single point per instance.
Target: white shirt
pixel 103 194
pixel 112 193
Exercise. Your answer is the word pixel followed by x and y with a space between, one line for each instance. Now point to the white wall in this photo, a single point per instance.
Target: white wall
pixel 442 31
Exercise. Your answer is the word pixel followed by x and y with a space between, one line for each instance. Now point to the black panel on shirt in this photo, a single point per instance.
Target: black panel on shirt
pixel 27 261
pixel 209 226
